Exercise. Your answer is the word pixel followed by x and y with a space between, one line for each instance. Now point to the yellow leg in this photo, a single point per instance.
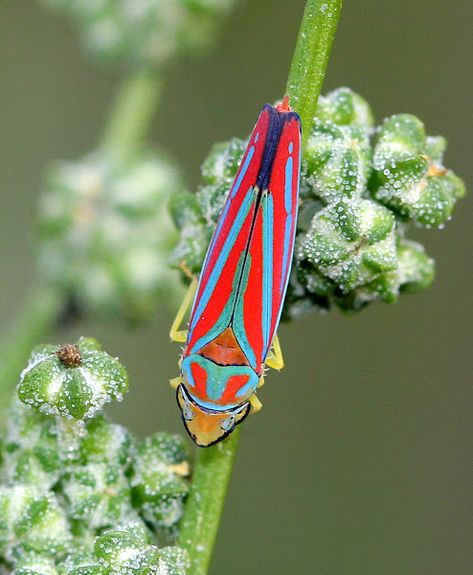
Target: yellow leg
pixel 176 334
pixel 175 382
pixel 275 358
pixel 256 404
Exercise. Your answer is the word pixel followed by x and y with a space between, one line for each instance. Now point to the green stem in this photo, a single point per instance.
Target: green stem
pixel 204 508
pixel 132 113
pixel 213 466
pixel 37 319
pixel 311 57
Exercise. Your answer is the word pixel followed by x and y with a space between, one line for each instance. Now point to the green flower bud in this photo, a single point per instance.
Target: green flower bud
pixel 416 269
pixel 221 165
pixel 159 479
pixel 73 381
pixel 350 242
pixel 31 448
pixel 407 178
pixel 336 162
pixel 31 521
pixel 97 494
pixel 435 147
pixel 106 442
pixel 218 173
pixel 345 108
pixel 195 216
pixel 141 32
pixel 81 563
pixel 125 553
pixel 33 564
pixel 106 234
pixel 173 561
pixel 194 236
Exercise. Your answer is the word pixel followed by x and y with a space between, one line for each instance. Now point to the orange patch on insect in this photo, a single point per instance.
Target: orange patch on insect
pixel 225 350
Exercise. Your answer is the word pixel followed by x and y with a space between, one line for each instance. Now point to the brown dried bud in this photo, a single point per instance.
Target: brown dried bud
pixel 69 355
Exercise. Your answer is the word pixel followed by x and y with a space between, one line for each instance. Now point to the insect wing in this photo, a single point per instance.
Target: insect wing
pixel 268 262
pixel 217 289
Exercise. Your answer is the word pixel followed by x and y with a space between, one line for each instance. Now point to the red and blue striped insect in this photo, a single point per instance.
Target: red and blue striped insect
pixel 242 285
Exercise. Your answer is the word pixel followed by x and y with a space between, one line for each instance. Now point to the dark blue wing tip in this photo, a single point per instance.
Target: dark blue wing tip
pixel 282 115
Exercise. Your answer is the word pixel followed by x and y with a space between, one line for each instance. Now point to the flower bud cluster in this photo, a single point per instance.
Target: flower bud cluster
pixel 360 187
pixel 106 234
pixel 79 495
pixel 144 32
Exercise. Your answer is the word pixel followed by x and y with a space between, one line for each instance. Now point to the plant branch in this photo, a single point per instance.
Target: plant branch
pixel 37 319
pixel 204 508
pixel 132 113
pixel 311 56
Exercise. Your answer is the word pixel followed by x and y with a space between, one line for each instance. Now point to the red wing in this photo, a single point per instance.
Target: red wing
pixel 265 277
pixel 221 266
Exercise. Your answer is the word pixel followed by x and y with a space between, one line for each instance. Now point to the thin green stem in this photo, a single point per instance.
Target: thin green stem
pixel 311 56
pixel 132 113
pixel 214 465
pixel 37 319
pixel 199 526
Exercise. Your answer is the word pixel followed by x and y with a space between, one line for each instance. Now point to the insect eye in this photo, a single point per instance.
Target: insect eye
pixel 187 412
pixel 228 423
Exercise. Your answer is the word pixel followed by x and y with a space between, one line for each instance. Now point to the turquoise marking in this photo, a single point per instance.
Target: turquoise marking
pixel 217 380
pixel 223 216
pixel 238 323
pixel 288 208
pixel 222 258
pixel 288 186
pixel 248 389
pixel 225 317
pixel 268 218
pixel 243 171
pixel 287 240
pixel 216 234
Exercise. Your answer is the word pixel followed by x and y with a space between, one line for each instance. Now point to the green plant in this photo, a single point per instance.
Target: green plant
pixel 79 494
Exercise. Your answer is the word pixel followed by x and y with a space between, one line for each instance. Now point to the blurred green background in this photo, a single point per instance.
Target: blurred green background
pixel 360 462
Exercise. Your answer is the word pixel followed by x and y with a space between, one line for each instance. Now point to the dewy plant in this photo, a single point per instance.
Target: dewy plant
pixel 79 494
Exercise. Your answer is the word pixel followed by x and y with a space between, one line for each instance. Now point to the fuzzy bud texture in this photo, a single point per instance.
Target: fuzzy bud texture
pixel 106 234
pixel 84 497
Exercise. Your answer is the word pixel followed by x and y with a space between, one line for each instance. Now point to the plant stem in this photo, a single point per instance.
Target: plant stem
pixel 213 466
pixel 310 60
pixel 37 318
pixel 204 508
pixel 132 113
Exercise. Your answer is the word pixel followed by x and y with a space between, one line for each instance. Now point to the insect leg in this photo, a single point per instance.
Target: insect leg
pixel 176 334
pixel 275 358
pixel 256 404
pixel 175 382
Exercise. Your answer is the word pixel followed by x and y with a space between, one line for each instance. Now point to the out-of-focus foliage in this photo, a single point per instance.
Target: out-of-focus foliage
pixel 360 187
pixel 144 32
pixel 106 234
